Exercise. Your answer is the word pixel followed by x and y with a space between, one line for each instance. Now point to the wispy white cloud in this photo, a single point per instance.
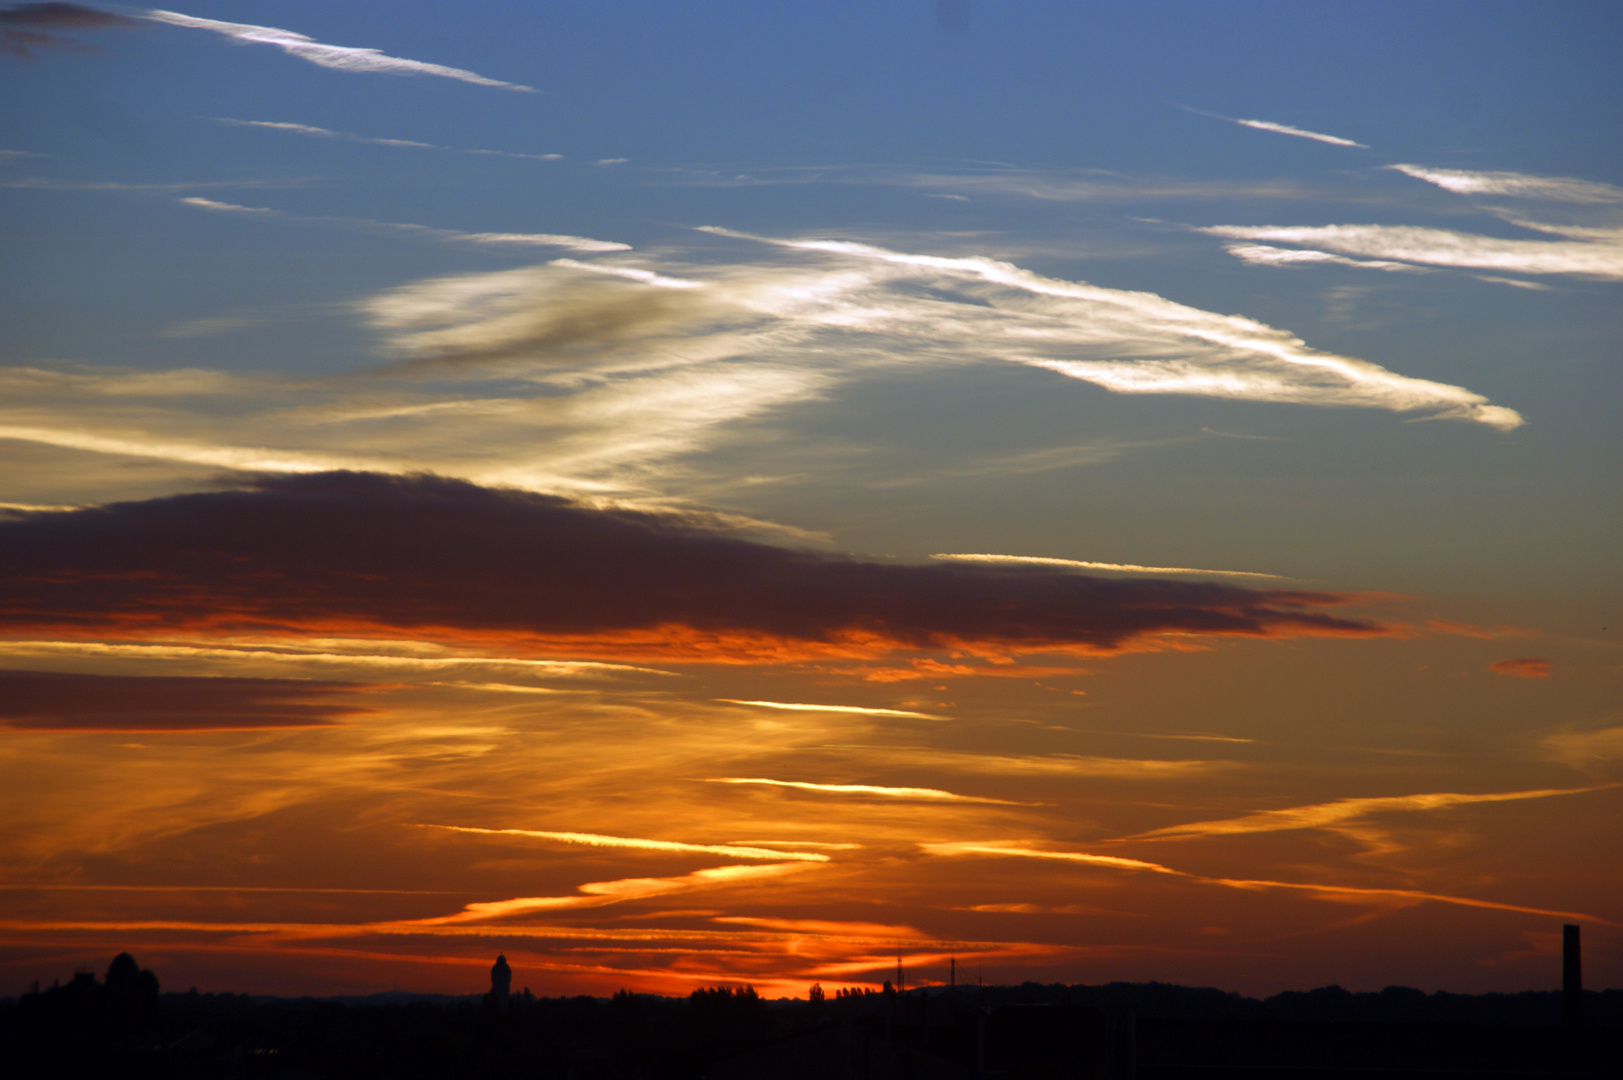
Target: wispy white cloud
pixel 1130 568
pixel 1598 257
pixel 1179 349
pixel 1264 255
pixel 1278 129
pixel 345 136
pixel 863 789
pixel 323 133
pixel 1300 133
pixel 862 710
pixel 640 844
pixel 1515 185
pixel 1531 286
pixel 338 57
pixel 576 243
pixel 607 378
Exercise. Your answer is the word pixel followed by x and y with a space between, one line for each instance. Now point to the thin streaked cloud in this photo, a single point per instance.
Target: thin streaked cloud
pixel 1600 257
pixel 1300 133
pixel 576 243
pixel 1279 129
pixel 1128 568
pixel 345 136
pixel 990 764
pixel 337 57
pixel 299 657
pixel 1353 893
pixel 863 789
pixel 1402 896
pixel 640 844
pixel 1016 850
pixel 600 893
pixel 1515 185
pixel 863 710
pixel 1341 812
pixel 1266 255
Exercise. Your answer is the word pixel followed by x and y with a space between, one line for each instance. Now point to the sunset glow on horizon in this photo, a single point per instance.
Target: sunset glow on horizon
pixel 691 495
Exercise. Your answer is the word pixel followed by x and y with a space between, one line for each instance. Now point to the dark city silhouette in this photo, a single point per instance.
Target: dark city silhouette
pixel 123 1027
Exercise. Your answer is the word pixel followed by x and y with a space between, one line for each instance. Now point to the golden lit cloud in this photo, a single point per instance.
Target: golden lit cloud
pixel 597 840
pixel 1014 849
pixel 861 710
pixel 862 789
pixel 599 893
pixel 1341 812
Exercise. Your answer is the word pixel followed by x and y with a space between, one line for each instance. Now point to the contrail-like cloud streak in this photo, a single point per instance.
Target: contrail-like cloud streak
pixel 338 57
pixel 1300 133
pixel 1279 129
pixel 1342 811
pixel 1331 892
pixel 345 136
pixel 1129 568
pixel 1112 861
pixel 863 789
pixel 861 710
pixel 640 844
pixel 575 243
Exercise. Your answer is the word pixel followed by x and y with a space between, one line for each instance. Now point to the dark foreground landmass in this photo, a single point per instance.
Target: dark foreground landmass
pixel 124 1028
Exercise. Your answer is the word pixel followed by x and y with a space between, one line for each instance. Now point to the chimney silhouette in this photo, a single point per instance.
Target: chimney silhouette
pixel 1572 976
pixel 501 984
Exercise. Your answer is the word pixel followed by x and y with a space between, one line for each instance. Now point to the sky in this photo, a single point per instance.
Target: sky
pixel 686 494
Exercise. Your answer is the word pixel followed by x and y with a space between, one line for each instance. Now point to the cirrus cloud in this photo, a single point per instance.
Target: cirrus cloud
pixel 338 57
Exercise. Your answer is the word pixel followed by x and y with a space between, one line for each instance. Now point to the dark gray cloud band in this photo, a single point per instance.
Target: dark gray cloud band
pixel 361 552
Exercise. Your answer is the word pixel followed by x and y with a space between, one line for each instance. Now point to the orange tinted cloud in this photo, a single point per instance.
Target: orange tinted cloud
pixel 1522 667
pixel 1341 812
pixel 598 840
pixel 377 555
pixel 61 701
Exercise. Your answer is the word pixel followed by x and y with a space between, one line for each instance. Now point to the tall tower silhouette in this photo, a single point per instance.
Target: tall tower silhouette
pixel 1572 976
pixel 501 984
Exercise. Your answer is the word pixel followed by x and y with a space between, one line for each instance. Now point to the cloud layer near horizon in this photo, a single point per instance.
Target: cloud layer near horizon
pixel 379 555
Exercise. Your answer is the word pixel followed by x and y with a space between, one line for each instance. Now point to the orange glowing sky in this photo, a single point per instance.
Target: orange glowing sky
pixel 756 519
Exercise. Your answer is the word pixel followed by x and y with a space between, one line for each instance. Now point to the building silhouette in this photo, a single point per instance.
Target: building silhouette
pixel 501 985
